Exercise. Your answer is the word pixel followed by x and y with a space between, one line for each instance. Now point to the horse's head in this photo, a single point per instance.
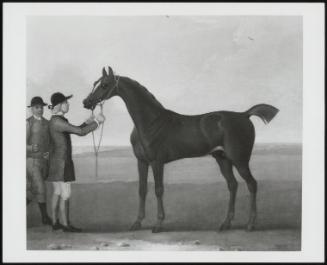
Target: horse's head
pixel 103 89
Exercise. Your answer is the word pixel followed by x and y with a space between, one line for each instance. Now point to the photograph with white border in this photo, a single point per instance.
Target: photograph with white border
pixel 163 132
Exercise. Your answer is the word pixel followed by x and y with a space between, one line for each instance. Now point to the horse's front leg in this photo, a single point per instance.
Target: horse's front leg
pixel 157 168
pixel 143 168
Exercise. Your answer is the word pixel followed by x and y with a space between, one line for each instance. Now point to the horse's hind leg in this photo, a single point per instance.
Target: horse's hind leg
pixel 226 168
pixel 238 143
pixel 143 168
pixel 245 173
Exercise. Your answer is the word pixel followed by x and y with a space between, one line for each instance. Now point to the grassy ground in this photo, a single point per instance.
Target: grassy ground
pixel 193 212
pixel 105 210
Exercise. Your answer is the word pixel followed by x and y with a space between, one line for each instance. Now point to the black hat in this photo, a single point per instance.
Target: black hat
pixel 57 98
pixel 37 101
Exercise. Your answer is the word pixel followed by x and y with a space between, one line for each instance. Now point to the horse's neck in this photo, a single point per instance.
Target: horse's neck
pixel 141 105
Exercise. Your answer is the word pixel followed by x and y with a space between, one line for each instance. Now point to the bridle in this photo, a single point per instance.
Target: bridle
pixel 101 102
pixel 108 94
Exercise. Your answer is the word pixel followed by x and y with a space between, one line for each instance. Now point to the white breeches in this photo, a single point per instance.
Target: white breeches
pixel 62 189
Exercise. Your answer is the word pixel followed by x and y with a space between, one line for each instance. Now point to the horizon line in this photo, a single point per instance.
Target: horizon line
pixel 129 145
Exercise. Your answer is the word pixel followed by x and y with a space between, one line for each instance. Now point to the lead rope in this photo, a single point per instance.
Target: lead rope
pixel 96 148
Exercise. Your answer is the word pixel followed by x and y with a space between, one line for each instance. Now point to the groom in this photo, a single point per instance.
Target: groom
pixel 37 151
pixel 61 169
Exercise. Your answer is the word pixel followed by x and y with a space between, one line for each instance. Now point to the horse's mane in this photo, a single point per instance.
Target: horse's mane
pixel 145 91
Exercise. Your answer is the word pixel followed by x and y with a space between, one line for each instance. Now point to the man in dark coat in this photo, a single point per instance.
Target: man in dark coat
pixel 61 167
pixel 37 150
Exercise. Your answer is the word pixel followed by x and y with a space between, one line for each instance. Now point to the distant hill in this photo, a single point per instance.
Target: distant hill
pixel 277 148
pixel 126 151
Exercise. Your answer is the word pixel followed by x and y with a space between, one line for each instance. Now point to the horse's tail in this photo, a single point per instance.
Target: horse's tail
pixel 264 111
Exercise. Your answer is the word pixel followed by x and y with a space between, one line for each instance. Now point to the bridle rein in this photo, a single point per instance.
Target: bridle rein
pixel 96 147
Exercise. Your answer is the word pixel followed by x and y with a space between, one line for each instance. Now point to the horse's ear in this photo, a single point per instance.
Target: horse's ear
pixel 104 73
pixel 111 73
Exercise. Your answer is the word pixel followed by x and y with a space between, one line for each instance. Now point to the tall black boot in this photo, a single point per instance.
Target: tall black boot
pixel 46 220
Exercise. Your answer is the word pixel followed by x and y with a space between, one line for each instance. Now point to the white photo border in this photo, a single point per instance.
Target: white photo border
pixel 14 89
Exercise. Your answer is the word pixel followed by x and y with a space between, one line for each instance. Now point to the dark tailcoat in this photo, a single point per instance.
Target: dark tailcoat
pixel 61 166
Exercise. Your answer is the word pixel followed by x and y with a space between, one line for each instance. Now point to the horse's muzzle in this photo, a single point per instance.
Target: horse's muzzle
pixel 87 104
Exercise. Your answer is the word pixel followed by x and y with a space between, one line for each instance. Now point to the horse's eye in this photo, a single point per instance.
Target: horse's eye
pixel 103 87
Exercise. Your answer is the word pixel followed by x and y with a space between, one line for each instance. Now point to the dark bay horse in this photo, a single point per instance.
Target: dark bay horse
pixel 161 136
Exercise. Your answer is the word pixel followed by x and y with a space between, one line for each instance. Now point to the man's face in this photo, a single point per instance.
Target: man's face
pixel 65 106
pixel 37 110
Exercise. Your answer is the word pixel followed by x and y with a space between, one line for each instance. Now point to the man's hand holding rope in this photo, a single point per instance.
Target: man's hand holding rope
pixel 100 118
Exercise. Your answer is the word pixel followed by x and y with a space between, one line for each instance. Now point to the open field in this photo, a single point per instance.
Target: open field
pixel 268 162
pixel 196 198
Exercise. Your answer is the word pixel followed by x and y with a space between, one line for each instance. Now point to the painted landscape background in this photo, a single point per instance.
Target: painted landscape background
pixel 196 198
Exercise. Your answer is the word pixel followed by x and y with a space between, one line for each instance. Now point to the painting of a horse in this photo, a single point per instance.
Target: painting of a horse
pixel 161 135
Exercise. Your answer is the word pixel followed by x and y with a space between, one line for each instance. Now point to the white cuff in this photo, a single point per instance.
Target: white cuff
pixel 97 122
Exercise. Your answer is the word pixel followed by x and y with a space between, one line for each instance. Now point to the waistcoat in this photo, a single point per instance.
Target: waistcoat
pixel 39 134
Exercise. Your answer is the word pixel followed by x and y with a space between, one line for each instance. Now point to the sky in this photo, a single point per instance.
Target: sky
pixel 192 64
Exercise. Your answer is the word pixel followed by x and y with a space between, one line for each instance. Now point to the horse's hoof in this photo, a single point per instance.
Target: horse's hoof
pixel 136 226
pixel 157 229
pixel 224 226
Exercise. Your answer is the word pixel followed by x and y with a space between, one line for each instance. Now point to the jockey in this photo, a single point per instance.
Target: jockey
pixel 61 168
pixel 37 151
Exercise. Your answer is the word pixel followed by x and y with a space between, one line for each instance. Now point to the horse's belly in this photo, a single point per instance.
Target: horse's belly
pixel 182 149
